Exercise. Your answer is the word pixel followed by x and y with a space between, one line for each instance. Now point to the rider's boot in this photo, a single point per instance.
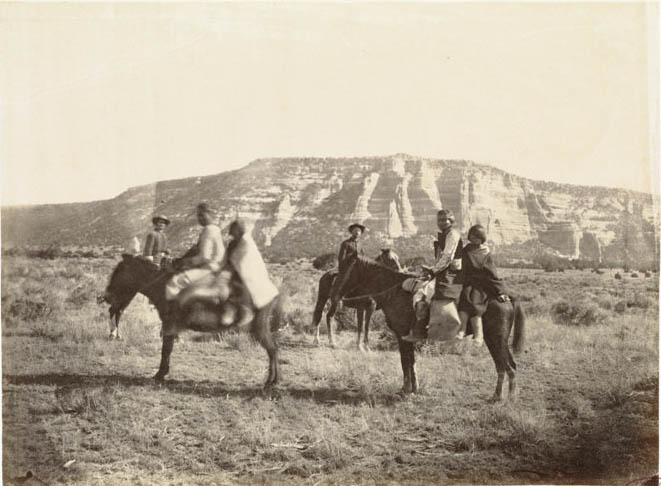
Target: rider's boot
pixel 419 330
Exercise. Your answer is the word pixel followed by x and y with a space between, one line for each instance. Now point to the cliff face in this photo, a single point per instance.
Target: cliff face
pixel 301 207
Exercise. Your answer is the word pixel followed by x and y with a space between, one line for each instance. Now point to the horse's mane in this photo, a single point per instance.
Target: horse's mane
pixel 370 264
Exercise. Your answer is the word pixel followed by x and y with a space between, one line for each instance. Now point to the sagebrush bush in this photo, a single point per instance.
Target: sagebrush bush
pixel 577 314
pixel 81 295
pixel 325 261
pixel 25 309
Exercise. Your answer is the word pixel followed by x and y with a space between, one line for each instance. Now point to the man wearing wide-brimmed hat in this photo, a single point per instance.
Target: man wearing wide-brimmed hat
pixel 350 248
pixel 156 243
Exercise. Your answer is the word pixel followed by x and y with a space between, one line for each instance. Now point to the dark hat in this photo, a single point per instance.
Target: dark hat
pixel 160 217
pixel 357 225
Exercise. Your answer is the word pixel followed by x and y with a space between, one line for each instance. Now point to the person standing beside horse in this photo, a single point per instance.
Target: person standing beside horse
pixel 156 243
pixel 204 259
pixel 481 283
pixel 445 284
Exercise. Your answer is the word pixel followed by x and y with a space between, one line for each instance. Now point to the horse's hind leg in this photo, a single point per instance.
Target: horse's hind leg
pixel 511 376
pixel 499 352
pixel 316 320
pixel 262 334
pixel 166 351
pixel 329 322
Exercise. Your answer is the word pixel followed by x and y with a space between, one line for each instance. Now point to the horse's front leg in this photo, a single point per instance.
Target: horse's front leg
pixel 115 313
pixel 166 351
pixel 407 356
pixel 360 316
pixel 369 311
pixel 406 369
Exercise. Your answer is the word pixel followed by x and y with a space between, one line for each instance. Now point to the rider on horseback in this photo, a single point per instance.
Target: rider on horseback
pixel 250 285
pixel 481 283
pixel 444 282
pixel 156 243
pixel 203 259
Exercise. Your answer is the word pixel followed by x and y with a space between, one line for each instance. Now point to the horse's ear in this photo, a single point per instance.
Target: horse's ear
pixel 126 257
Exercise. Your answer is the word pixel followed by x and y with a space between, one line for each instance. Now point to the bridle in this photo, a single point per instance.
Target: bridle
pixel 345 276
pixel 145 287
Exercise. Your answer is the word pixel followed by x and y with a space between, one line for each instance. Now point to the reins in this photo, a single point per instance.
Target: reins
pixel 359 297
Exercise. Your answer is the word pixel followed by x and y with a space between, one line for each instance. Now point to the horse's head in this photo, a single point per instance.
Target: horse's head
pixel 366 275
pixel 127 279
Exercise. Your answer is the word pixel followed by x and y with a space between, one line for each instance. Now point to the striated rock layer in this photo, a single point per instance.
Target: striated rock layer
pixel 301 208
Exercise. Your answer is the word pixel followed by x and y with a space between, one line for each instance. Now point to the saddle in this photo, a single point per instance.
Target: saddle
pixel 217 302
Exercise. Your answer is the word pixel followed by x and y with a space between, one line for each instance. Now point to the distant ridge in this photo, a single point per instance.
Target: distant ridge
pixel 300 207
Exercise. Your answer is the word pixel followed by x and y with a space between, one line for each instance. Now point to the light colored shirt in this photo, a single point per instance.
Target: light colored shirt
pixel 446 257
pixel 210 246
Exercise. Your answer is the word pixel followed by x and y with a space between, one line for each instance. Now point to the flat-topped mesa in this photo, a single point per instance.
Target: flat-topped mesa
pixel 302 206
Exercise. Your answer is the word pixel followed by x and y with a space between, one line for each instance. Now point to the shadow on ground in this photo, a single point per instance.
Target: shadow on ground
pixel 329 396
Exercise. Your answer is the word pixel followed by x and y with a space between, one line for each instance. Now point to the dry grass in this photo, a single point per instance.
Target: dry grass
pixel 587 410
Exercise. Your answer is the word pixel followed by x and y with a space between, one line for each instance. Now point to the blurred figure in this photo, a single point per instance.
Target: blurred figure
pixel 250 284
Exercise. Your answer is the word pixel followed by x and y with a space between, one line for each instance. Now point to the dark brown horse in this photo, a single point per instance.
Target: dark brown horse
pixel 364 307
pixel 135 275
pixel 366 277
pixel 364 310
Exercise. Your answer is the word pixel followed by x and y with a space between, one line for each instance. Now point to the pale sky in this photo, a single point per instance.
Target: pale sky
pixel 95 98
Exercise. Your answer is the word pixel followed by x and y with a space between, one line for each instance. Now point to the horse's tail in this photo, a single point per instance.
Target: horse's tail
pixel 325 285
pixel 519 328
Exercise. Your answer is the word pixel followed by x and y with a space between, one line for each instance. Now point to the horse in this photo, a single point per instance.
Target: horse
pixel 367 278
pixel 364 310
pixel 134 275
pixel 365 307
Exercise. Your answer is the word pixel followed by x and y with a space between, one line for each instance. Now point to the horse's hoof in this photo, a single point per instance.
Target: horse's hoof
pixel 494 399
pixel 316 342
pixel 159 377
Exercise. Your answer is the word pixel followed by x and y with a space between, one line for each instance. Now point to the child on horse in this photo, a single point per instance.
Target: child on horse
pixel 480 283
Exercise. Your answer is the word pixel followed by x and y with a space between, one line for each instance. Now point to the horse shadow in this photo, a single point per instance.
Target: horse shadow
pixel 208 389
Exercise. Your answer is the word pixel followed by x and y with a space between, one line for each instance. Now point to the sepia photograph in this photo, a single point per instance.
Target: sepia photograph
pixel 329 243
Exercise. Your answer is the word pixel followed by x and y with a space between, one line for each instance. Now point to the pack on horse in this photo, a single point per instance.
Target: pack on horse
pixel 364 307
pixel 135 275
pixel 365 277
